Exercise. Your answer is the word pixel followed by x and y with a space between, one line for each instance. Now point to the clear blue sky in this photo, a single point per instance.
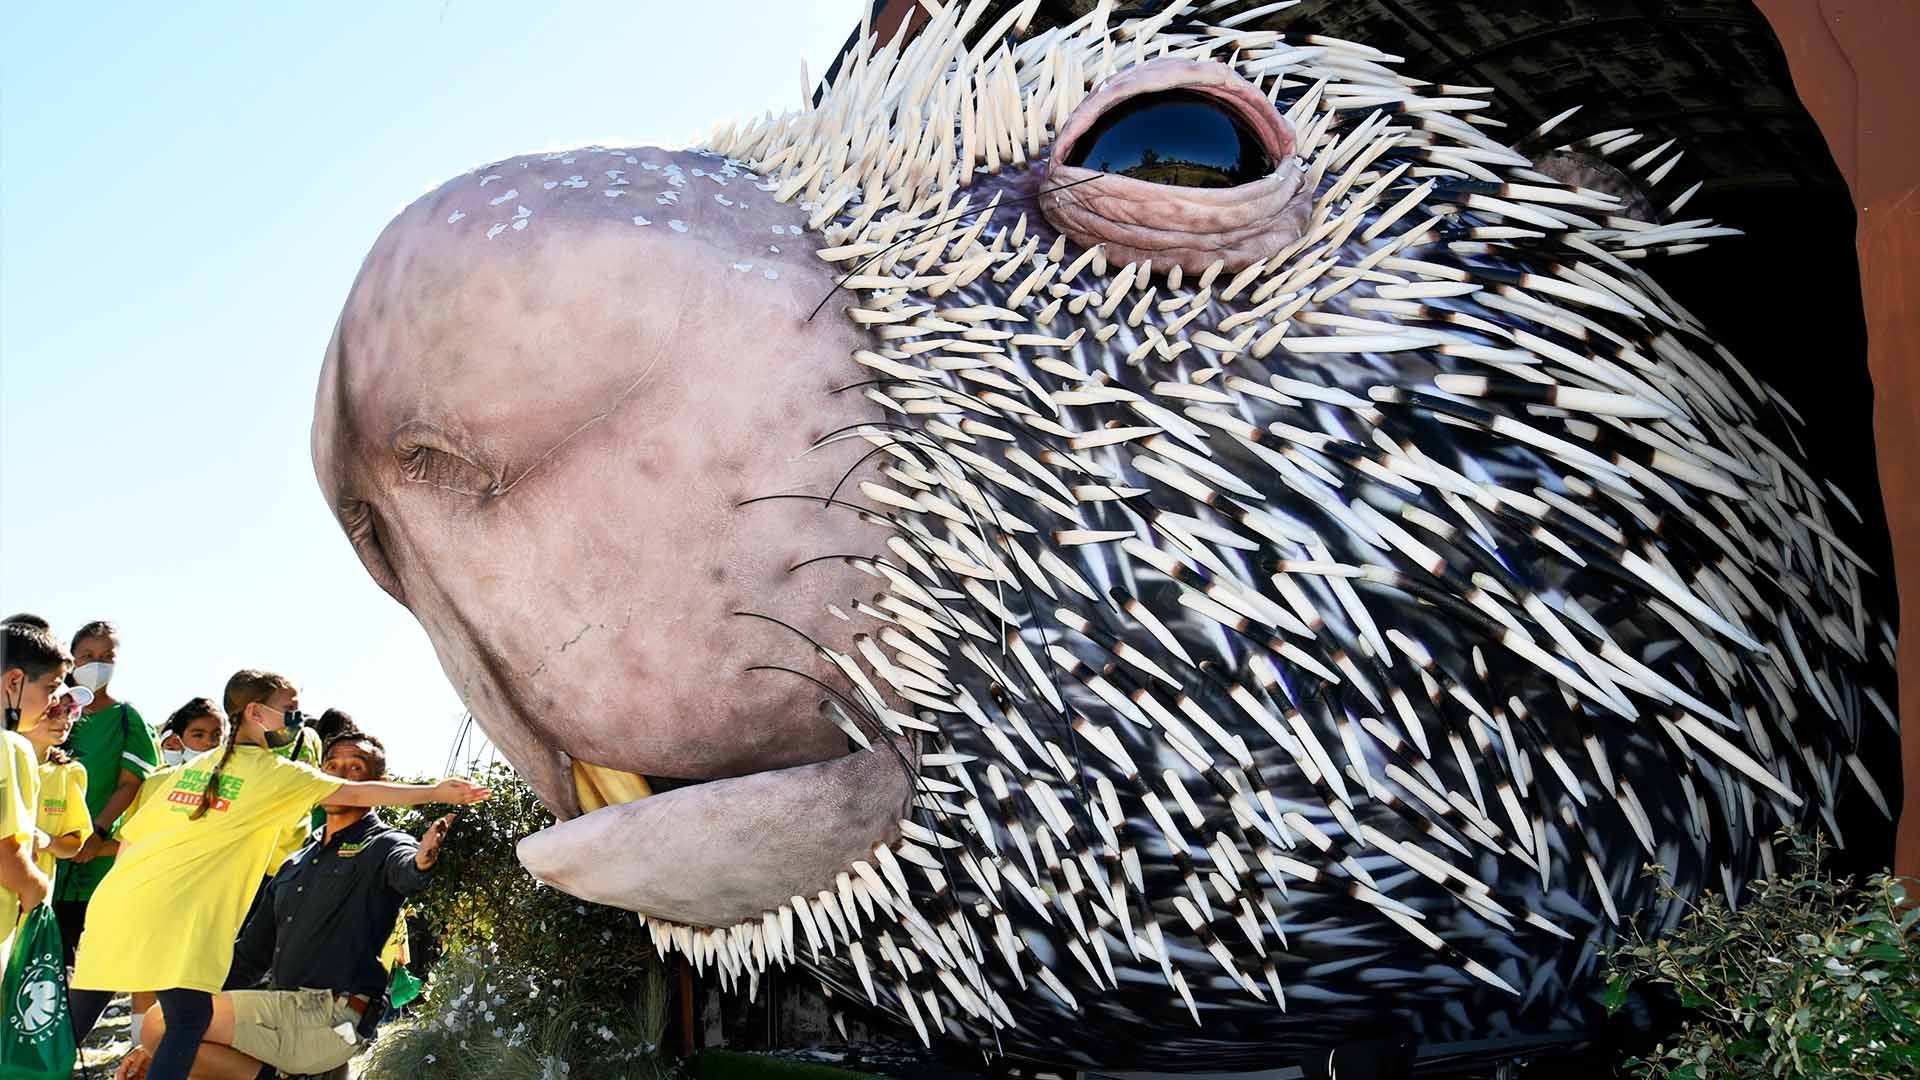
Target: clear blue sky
pixel 186 191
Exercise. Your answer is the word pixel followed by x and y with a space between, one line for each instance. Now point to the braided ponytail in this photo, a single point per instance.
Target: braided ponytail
pixel 246 687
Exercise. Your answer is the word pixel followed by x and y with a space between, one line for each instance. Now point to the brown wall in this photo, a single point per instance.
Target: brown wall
pixel 1854 65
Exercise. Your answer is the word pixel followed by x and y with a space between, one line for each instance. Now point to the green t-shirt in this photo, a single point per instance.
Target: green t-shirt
pixel 104 743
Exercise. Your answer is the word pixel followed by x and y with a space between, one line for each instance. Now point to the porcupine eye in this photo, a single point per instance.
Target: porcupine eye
pixel 1178 162
pixel 1177 138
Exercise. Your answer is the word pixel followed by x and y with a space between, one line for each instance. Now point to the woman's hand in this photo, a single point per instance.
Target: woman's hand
pixel 460 791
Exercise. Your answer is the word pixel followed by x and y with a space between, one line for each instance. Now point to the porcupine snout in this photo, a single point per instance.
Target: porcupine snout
pixel 569 418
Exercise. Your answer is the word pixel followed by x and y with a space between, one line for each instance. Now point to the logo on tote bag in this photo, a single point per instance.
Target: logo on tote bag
pixel 36 1005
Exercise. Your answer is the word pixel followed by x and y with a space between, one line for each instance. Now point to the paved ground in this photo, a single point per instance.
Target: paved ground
pixel 102 1051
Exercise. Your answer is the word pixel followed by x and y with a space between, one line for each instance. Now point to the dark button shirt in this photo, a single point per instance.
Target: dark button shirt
pixel 329 911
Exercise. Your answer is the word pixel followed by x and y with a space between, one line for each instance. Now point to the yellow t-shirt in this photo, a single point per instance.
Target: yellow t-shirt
pixel 305 749
pixel 19 803
pixel 157 781
pixel 167 916
pixel 63 806
pixel 396 950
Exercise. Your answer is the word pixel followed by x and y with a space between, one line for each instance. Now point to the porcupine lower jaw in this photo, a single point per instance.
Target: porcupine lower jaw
pixel 724 851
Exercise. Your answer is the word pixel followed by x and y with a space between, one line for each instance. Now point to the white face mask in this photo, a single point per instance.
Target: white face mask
pixel 94 675
pixel 175 757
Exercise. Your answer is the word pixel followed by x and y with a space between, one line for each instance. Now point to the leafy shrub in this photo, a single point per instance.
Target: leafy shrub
pixel 558 966
pixel 1812 976
pixel 484 1020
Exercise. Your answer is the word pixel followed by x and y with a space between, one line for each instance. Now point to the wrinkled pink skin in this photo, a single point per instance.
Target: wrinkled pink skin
pixel 601 395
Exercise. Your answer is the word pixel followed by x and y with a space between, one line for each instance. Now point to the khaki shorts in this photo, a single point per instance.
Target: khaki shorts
pixel 295 1031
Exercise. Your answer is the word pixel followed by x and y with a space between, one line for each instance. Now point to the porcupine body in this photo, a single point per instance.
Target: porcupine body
pixel 1329 641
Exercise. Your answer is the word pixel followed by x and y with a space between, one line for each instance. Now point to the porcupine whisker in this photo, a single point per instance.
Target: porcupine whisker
pixel 845 557
pixel 804 497
pixel 907 769
pixel 858 709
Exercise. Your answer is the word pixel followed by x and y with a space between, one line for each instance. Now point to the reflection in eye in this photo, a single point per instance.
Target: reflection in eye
pixel 1178 138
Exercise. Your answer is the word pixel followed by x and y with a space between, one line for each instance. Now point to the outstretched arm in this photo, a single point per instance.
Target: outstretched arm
pixel 454 790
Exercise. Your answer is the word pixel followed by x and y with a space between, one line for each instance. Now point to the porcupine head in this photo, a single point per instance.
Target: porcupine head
pixel 1116 539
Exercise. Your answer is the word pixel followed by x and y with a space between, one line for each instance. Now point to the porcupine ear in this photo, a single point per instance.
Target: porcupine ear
pixel 1616 163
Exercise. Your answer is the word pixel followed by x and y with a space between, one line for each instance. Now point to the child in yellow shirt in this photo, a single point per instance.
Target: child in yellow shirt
pixel 62 823
pixel 192 730
pixel 32 668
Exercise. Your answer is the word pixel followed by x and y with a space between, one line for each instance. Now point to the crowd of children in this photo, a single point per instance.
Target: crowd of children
pixel 152 848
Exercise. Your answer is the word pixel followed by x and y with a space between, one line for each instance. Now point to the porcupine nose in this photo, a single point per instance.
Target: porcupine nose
pixel 582 546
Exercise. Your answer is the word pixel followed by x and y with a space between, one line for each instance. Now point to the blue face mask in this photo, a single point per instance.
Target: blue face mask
pixel 293 720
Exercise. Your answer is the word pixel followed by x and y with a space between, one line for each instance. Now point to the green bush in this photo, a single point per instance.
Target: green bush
pixel 520 976
pixel 484 1020
pixel 1811 976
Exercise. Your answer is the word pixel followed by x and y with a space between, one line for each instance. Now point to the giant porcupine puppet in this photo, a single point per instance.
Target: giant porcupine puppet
pixel 1147 541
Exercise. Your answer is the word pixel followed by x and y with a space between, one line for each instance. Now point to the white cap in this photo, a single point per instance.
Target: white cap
pixel 81 696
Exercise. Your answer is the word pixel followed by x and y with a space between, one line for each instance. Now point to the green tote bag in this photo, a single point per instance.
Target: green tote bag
pixel 36 1043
